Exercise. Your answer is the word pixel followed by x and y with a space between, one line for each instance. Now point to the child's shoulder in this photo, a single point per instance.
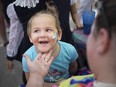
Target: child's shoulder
pixel 65 44
pixel 67 47
pixel 31 49
pixel 31 52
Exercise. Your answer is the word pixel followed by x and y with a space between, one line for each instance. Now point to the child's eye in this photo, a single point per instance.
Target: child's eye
pixel 49 30
pixel 36 31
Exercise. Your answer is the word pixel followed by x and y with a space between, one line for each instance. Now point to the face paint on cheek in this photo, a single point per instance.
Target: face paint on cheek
pixel 54 36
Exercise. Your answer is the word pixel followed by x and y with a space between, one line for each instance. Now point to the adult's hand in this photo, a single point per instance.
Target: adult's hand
pixel 38 68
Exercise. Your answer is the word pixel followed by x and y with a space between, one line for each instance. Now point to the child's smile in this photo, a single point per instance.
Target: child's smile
pixel 43 43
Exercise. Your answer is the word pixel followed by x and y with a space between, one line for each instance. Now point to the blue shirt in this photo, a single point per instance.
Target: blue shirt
pixel 59 68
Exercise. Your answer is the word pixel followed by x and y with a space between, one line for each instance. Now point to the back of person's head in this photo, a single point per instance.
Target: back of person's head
pixel 104 29
pixel 51 10
pixel 106 17
pixel 101 45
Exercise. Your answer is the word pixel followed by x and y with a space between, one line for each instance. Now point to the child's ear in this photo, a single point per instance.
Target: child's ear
pixel 102 41
pixel 30 39
pixel 59 35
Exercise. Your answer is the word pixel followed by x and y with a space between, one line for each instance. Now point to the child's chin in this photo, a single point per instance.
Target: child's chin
pixel 44 51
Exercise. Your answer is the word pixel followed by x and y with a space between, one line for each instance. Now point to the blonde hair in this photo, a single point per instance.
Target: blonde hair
pixel 51 10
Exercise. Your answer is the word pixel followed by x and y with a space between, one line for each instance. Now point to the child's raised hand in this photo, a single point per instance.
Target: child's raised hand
pixel 40 66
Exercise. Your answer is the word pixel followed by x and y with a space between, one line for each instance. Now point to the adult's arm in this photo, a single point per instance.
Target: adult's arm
pixel 75 16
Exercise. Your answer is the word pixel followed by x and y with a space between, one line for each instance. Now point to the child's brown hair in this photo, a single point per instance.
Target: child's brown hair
pixel 106 17
pixel 51 10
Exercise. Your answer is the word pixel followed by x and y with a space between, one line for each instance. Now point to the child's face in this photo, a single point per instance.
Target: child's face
pixel 43 28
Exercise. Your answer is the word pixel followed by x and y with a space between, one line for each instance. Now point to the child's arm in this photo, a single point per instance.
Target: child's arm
pixel 73 68
pixel 75 16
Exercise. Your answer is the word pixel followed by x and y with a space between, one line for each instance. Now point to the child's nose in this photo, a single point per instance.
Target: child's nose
pixel 42 34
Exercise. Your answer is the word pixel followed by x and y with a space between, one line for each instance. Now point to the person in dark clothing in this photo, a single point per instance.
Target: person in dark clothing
pixel 5 3
pixel 21 14
pixel 65 7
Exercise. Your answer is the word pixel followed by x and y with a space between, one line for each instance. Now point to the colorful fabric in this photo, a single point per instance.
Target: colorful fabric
pixel 78 81
pixel 84 71
pixel 86 82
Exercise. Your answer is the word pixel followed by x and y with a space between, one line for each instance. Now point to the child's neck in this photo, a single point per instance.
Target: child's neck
pixel 56 50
